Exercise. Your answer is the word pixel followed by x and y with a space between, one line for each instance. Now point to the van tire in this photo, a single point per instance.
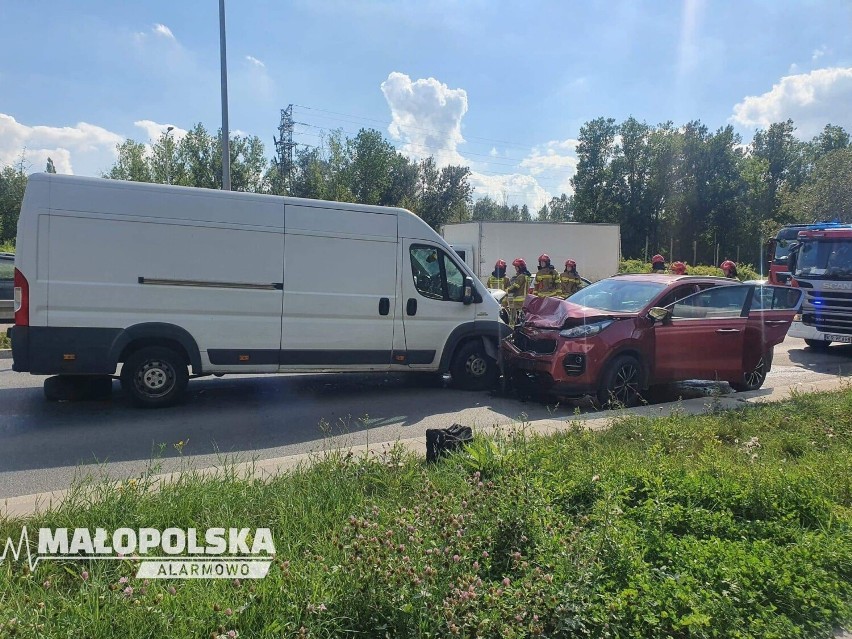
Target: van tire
pixel 74 388
pixel 472 368
pixel 621 384
pixel 818 345
pixel 154 377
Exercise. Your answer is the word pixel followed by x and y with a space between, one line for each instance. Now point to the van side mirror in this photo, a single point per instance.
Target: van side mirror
pixel 659 314
pixel 467 298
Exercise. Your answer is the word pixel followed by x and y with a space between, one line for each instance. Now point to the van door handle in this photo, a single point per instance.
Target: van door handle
pixel 727 330
pixel 384 306
pixel 411 306
pixel 776 322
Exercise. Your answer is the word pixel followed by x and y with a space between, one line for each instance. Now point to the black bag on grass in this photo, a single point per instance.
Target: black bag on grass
pixel 440 441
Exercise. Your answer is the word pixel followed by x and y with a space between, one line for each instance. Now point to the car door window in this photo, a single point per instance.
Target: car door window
pixel 775 298
pixel 717 302
pixel 677 294
pixel 435 275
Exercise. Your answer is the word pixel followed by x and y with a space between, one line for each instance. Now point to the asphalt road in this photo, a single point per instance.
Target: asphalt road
pixel 44 446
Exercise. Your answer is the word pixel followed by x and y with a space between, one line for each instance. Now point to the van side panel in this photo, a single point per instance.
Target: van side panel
pixel 114 273
pixel 340 288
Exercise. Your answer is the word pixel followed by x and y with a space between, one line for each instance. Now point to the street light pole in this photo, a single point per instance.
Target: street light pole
pixel 169 156
pixel 226 145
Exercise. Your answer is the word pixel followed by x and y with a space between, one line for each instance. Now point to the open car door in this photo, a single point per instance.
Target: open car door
pixel 703 336
pixel 770 314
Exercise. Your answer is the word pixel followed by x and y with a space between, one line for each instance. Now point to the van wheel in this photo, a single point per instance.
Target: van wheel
pixel 621 383
pixel 75 388
pixel 472 368
pixel 753 379
pixel 154 377
pixel 818 344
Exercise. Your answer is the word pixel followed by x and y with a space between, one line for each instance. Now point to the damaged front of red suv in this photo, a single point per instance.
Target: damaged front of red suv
pixel 562 346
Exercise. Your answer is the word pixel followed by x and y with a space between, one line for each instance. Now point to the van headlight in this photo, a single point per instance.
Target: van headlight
pixel 586 330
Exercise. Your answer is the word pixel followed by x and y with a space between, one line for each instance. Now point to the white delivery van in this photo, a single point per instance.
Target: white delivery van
pixel 162 279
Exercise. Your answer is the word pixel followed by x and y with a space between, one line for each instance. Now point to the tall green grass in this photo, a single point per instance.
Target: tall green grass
pixel 725 525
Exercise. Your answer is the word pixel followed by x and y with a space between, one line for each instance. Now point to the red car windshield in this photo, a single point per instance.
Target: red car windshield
pixel 620 296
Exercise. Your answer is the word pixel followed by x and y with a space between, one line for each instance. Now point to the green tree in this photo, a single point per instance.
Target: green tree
pixel 828 192
pixel 593 181
pixel 630 169
pixel 785 162
pixel 50 168
pixel 13 182
pixel 131 163
pixel 194 161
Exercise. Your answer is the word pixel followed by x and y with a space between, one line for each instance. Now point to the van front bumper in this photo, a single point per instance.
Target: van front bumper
pixel 803 331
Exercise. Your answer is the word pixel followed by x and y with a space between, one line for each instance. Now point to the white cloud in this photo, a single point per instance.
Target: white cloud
pixel 811 100
pixel 516 188
pixel 556 161
pixel 426 117
pixel 818 53
pixel 154 130
pixel 255 61
pixel 163 30
pixel 59 143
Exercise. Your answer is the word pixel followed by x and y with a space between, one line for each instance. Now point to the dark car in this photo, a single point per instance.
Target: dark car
pixel 7 286
pixel 625 333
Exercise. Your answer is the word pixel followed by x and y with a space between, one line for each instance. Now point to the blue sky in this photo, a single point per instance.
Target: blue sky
pixel 503 87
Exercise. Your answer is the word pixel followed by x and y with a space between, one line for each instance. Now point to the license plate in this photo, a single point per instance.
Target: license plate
pixel 844 339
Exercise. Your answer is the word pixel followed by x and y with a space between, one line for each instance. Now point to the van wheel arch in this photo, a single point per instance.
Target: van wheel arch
pixel 154 334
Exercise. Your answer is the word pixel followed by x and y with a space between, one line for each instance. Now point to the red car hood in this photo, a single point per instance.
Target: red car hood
pixel 555 313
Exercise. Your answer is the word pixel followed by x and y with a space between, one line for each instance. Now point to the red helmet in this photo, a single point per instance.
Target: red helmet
pixel 727 264
pixel 544 257
pixel 658 259
pixel 519 263
pixel 679 268
pixel 570 264
pixel 500 264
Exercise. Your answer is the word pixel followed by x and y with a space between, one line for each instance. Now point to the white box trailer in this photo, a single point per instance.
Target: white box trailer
pixel 595 247
pixel 165 278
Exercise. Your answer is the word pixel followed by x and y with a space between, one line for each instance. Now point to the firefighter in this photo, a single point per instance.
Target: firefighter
pixel 658 264
pixel 516 293
pixel 498 278
pixel 570 279
pixel 729 268
pixel 678 268
pixel 547 278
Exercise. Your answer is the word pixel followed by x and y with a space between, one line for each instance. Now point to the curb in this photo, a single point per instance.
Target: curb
pixel 5 353
pixel 26 505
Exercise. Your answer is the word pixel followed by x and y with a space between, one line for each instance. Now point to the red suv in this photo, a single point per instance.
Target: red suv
pixel 621 335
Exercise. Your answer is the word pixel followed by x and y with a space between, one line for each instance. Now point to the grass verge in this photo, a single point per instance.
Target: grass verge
pixel 726 525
